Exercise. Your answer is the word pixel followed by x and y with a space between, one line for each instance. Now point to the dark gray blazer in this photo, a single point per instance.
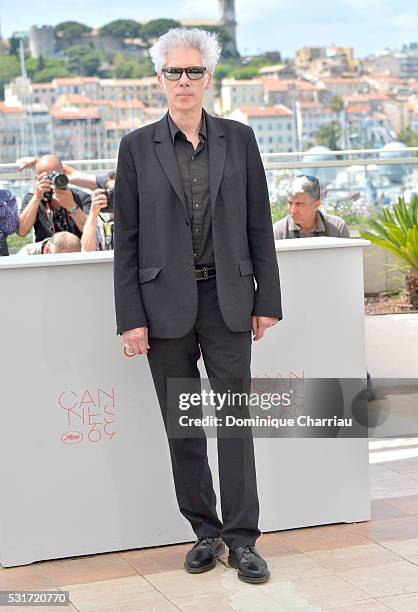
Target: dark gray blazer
pixel 154 278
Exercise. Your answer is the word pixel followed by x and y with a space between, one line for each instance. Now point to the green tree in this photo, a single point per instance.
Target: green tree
pixel 122 28
pixel 9 69
pixel 15 242
pixel 143 67
pixel 279 210
pixel 273 57
pixel 223 35
pixel 222 71
pixel 328 134
pixel 409 137
pixel 71 29
pixel 123 67
pixel 157 27
pixel 83 60
pixel 52 68
pixel 336 104
pixel 52 72
pixel 13 45
pixel 261 60
pixel 40 64
pixel 245 72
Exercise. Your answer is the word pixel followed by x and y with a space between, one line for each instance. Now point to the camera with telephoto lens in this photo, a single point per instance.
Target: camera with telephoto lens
pixel 109 194
pixel 109 190
pixel 59 180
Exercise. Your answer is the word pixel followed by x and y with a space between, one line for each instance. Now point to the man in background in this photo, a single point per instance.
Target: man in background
pixel 305 219
pixel 49 209
pixel 61 242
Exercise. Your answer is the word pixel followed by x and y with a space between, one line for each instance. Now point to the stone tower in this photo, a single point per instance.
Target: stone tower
pixel 227 21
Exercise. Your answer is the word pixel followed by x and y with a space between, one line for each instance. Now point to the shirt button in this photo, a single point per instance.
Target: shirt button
pixel 196 205
pixel 195 180
pixel 197 230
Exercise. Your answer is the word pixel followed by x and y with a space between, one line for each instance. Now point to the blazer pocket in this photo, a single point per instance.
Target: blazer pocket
pixel 232 173
pixel 245 266
pixel 147 274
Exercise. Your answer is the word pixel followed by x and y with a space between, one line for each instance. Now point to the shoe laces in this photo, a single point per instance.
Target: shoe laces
pixel 249 549
pixel 199 540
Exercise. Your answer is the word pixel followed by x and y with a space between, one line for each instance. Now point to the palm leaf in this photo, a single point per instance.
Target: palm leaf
pixel 396 230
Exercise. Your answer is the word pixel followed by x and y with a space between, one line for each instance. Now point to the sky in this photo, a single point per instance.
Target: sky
pixel 263 25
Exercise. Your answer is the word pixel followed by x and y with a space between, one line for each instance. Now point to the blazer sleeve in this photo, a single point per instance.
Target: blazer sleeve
pixel 260 235
pixel 129 308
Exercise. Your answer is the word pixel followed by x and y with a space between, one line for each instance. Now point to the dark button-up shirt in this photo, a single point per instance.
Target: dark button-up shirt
pixel 193 166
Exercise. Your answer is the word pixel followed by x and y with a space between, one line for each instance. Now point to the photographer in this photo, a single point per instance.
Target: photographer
pixel 61 242
pixel 9 220
pixel 98 230
pixel 87 180
pixel 53 207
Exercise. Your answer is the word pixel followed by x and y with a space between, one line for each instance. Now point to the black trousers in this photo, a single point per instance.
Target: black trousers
pixel 227 357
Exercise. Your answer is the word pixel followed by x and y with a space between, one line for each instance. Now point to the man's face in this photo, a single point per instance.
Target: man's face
pixel 184 94
pixel 301 209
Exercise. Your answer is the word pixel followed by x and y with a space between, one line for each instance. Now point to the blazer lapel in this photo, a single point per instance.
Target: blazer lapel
pixel 217 152
pixel 164 149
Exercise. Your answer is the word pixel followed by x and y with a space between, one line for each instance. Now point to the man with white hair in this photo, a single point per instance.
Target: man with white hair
pixel 192 229
pixel 305 219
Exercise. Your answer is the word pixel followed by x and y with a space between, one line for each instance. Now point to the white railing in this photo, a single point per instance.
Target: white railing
pixel 355 157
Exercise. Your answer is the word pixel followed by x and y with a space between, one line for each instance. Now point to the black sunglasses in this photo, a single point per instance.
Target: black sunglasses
pixel 193 72
pixel 313 179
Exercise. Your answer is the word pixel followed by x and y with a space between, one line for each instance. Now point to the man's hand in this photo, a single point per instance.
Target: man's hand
pixel 98 201
pixel 25 162
pixel 136 341
pixel 69 171
pixel 41 185
pixel 63 198
pixel 260 324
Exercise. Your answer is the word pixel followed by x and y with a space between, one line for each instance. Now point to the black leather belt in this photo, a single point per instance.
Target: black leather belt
pixel 205 272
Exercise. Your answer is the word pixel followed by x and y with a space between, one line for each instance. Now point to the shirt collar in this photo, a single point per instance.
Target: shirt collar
pixel 174 130
pixel 318 227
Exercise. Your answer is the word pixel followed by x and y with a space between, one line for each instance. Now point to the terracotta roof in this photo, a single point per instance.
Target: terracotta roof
pixel 315 109
pixel 275 68
pixel 266 111
pixel 80 113
pixel 12 110
pixel 271 84
pixel 75 80
pixel 154 110
pixel 129 82
pixel 103 102
pixel 359 108
pixel 373 95
pixel 231 81
pixel 42 86
pixel 120 125
pixel 385 77
pixel 342 80
pixel 129 104
pixel 66 99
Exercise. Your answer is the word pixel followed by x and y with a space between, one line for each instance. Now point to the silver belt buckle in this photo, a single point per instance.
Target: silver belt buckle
pixel 205 273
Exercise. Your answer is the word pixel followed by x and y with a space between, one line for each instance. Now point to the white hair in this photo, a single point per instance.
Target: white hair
pixel 206 42
pixel 305 184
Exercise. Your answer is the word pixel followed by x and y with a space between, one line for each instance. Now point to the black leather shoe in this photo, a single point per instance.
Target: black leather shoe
pixel 203 555
pixel 251 567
